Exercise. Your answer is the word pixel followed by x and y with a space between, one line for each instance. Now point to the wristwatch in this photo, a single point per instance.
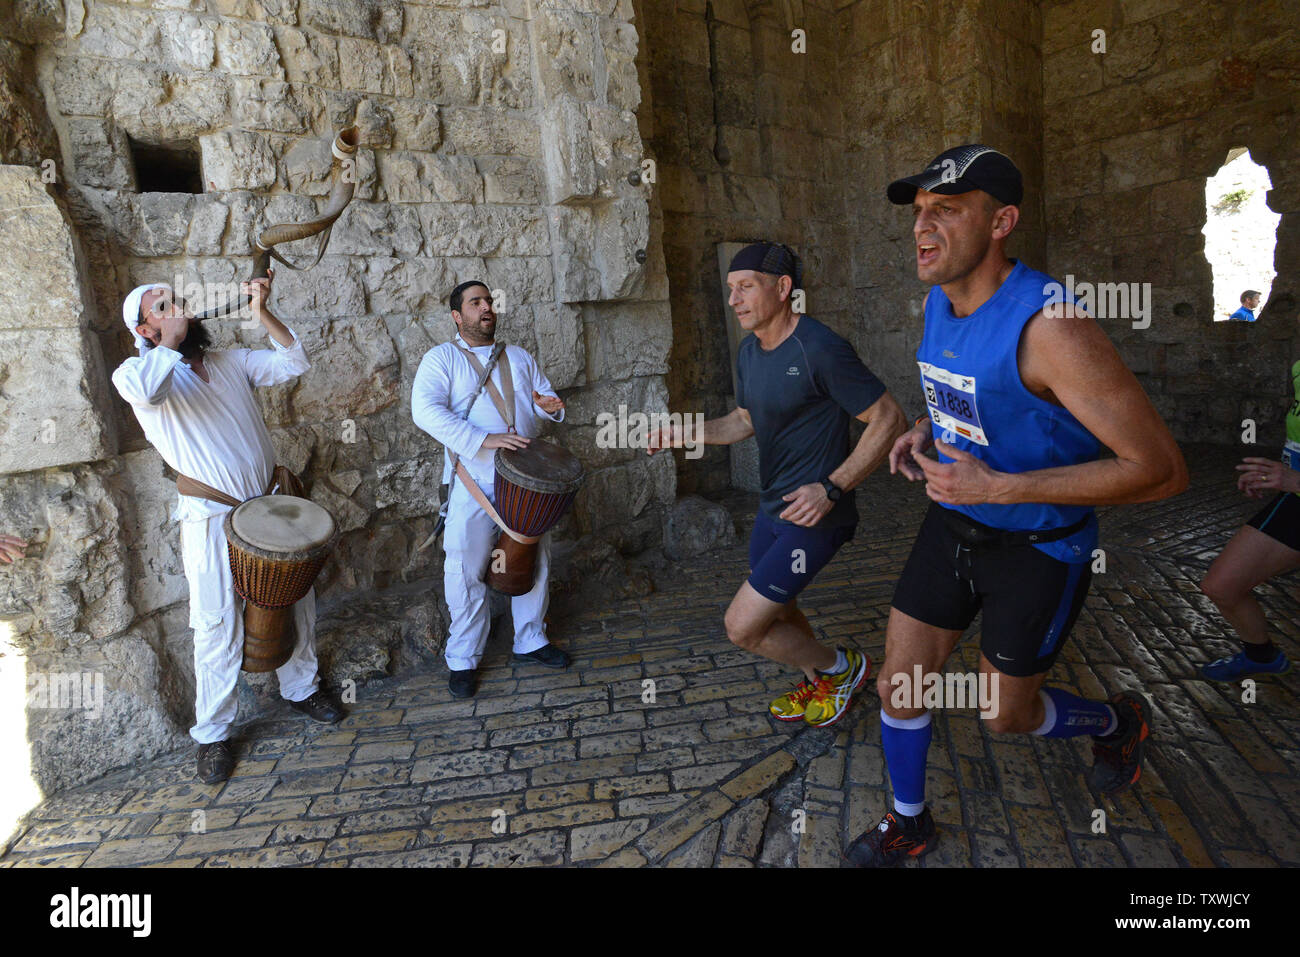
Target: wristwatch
pixel 833 491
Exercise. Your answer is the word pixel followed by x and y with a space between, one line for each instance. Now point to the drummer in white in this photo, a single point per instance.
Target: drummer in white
pixel 445 385
pixel 197 408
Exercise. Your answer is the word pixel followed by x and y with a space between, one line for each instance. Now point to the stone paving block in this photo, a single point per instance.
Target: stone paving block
pixel 1097 852
pixel 472 787
pixel 597 841
pixel 245 790
pixel 866 765
pixel 353 845
pixel 133 851
pixel 311 829
pixel 711 692
pixel 1235 858
pixel 390 751
pixel 328 805
pixel 672 736
pixel 953 850
pixel 548 752
pixel 375 776
pixel 529 734
pixel 538 848
pixel 684 824
pixel 699 850
pixel 477 809
pixel 279 855
pixel 537 798
pixel 458 765
pixel 449 855
pixel 628 742
pixel 583 709
pixel 630 785
pixel 384 820
pixel 372 719
pixel 1019 775
pixel 566 816
pixel 1276 828
pixel 627 857
pixel 582 770
pixel 93 831
pixel 1146 851
pixel 759 777
pixel 1039 835
pixel 59 859
pixel 700 776
pixel 450 742
pixel 744 829
pixel 232 839
pixel 989 850
pixel 819 844
pixel 172 797
pixel 311 783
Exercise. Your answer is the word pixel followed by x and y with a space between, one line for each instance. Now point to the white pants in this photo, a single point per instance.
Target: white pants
pixel 469 537
pixel 217 617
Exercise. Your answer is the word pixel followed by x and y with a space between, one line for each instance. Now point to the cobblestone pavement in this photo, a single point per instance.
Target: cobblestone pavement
pixel 579 767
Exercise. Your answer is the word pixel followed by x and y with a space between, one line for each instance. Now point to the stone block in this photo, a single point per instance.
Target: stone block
pixel 237 159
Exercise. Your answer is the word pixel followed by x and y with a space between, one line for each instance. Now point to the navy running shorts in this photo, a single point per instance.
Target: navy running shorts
pixel 784 558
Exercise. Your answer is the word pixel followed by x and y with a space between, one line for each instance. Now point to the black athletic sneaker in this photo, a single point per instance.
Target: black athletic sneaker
pixel 896 837
pixel 1117 761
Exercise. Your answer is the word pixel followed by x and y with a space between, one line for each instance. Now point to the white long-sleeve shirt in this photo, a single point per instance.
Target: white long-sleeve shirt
pixel 211 431
pixel 445 385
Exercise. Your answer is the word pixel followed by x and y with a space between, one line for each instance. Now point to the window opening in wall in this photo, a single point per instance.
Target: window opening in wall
pixel 167 167
pixel 1240 233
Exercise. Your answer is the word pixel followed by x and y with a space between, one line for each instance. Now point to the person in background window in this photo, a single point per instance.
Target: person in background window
pixel 1249 303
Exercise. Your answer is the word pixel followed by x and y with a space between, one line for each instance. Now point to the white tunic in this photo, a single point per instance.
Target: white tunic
pixel 444 386
pixel 211 431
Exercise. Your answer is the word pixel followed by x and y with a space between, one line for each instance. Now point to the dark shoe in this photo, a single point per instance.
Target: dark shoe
pixel 1117 760
pixel 321 706
pixel 896 837
pixel 216 761
pixel 547 655
pixel 464 683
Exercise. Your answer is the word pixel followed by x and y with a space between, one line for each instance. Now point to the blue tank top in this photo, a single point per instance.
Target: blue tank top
pixel 978 403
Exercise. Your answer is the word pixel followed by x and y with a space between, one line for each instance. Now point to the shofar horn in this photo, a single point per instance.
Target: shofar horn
pixel 344 148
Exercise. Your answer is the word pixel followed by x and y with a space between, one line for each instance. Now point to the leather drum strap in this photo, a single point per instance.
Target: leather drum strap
pixel 283 482
pixel 485 503
pixel 503 398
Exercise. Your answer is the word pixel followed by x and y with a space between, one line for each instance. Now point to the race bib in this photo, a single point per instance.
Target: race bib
pixel 951 399
pixel 1291 455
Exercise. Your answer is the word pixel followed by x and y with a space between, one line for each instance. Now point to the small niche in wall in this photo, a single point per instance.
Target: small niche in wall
pixel 167 167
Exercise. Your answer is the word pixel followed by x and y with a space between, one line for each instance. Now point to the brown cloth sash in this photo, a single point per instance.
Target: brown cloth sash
pixel 283 482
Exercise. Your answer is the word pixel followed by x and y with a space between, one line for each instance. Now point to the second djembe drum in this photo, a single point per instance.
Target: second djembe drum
pixel 534 487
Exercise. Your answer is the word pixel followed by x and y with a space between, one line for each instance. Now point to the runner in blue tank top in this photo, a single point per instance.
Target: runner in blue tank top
pixel 1022 391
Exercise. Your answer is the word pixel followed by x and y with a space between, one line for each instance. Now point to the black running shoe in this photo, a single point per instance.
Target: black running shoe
pixel 896 837
pixel 1117 761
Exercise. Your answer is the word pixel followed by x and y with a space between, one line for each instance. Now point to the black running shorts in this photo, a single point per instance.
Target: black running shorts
pixel 1280 519
pixel 1029 599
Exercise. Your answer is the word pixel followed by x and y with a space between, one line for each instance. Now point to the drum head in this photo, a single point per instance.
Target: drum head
pixel 542 467
pixel 282 523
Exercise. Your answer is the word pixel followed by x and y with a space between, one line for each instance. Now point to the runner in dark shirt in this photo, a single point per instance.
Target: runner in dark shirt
pixel 799 384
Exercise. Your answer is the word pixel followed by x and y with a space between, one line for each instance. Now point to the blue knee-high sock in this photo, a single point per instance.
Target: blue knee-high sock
pixel 906 741
pixel 1068 716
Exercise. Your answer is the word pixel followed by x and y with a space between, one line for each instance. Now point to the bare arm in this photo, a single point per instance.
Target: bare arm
pixel 885 423
pixel 1066 357
pixel 733 427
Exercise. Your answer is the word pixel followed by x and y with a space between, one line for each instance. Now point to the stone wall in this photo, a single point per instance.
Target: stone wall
pixel 1130 137
pixel 499 139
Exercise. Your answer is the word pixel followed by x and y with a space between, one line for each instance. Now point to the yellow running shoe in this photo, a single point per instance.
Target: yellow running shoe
pixel 790 706
pixel 832 694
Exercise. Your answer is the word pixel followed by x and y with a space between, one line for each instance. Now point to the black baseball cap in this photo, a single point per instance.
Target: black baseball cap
pixel 960 170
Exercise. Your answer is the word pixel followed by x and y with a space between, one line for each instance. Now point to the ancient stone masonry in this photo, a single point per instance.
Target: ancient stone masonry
pixel 498 139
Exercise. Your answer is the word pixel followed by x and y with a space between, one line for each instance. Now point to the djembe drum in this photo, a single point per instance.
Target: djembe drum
pixel 277 545
pixel 534 487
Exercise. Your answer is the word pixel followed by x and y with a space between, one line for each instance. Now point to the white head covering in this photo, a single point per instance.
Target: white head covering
pixel 131 312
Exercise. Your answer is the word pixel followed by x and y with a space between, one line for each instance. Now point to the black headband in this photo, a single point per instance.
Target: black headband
pixel 774 258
